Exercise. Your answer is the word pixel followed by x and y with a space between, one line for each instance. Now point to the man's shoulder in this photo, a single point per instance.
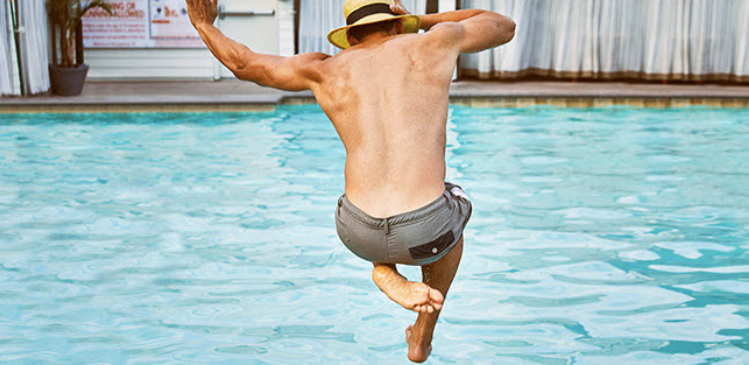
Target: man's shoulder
pixel 425 44
pixel 438 38
pixel 442 36
pixel 447 33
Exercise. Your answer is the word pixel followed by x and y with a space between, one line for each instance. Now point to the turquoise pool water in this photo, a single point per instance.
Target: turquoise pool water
pixel 599 236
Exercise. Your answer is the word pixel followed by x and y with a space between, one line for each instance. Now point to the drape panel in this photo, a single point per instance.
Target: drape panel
pixel 318 17
pixel 7 53
pixel 34 46
pixel 693 40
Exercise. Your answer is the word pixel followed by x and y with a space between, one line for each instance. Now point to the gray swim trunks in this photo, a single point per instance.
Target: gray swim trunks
pixel 418 237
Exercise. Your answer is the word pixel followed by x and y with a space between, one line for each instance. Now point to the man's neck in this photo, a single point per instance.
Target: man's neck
pixel 376 38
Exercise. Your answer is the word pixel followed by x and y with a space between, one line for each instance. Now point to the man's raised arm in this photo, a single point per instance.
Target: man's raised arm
pixel 295 73
pixel 473 30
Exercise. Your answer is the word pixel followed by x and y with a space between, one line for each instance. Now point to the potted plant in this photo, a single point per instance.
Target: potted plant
pixel 67 72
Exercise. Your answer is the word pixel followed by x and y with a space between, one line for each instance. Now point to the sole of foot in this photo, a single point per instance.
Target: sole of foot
pixel 415 296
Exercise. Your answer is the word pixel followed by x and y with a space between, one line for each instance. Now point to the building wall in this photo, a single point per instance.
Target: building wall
pixel 264 34
pixel 154 64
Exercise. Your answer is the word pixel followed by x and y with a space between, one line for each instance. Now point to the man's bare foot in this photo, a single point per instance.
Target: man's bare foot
pixel 411 295
pixel 417 351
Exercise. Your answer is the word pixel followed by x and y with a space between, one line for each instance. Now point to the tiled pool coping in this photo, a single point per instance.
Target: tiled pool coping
pixel 234 96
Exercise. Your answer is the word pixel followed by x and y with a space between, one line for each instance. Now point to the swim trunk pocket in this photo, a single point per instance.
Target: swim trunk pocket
pixel 434 248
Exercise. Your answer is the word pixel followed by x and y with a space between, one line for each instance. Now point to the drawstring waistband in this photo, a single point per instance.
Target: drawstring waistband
pixel 385 223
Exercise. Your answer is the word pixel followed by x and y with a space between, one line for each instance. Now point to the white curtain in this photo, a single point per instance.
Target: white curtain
pixel 647 39
pixel 7 53
pixel 318 17
pixel 34 45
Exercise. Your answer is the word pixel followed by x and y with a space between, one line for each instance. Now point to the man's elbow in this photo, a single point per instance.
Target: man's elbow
pixel 509 30
pixel 240 65
pixel 237 69
pixel 248 71
pixel 505 30
pixel 242 72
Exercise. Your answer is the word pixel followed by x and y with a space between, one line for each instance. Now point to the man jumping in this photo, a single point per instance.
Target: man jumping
pixel 387 95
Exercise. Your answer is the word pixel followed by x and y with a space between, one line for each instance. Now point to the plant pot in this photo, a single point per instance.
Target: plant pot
pixel 67 81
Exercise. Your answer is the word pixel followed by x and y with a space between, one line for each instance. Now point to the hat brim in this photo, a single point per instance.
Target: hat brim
pixel 338 37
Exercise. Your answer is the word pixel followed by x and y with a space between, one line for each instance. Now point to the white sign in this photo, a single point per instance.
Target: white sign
pixel 140 24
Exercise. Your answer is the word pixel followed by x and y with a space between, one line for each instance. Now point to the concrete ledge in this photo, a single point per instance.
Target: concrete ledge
pixel 608 90
pixel 587 102
pixel 136 108
pixel 197 96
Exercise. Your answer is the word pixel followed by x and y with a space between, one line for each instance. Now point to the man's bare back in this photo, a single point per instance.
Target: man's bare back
pixel 387 96
pixel 393 129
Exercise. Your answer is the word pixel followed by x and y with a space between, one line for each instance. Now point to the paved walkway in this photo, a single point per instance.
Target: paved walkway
pixel 236 95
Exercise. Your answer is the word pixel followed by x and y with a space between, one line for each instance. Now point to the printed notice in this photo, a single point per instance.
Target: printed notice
pixel 141 24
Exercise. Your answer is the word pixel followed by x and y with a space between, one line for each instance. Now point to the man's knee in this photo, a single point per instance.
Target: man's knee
pixel 382 271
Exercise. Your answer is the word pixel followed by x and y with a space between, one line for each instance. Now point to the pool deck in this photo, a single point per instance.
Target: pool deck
pixel 230 95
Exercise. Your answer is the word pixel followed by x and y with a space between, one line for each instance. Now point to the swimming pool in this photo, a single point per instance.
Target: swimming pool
pixel 610 235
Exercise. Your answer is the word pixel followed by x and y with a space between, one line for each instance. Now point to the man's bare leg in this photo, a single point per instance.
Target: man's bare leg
pixel 438 275
pixel 426 298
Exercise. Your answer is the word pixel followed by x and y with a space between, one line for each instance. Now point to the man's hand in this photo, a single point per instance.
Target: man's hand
pixel 202 11
pixel 398 8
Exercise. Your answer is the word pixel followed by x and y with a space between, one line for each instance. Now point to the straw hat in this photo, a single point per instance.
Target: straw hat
pixel 360 12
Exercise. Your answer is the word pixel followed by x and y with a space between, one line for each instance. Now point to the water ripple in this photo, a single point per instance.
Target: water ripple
pixel 598 235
